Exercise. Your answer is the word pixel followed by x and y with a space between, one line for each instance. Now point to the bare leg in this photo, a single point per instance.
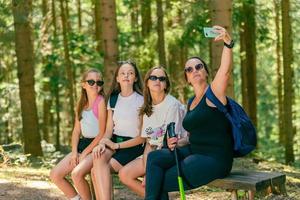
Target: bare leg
pixel 129 174
pixel 102 175
pixel 58 173
pixel 94 184
pixel 78 177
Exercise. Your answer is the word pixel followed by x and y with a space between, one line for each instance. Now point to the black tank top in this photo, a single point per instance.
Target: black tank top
pixel 210 131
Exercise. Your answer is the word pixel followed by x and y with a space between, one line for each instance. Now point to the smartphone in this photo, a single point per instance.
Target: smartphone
pixel 210 32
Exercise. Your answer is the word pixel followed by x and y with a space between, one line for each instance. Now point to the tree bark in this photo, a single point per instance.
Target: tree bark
pixel 67 15
pixel 68 65
pixel 221 12
pixel 134 18
pixel 250 50
pixel 279 71
pixel 22 11
pixel 98 32
pixel 177 57
pixel 287 52
pixel 46 84
pixel 244 82
pixel 109 38
pixel 160 34
pixel 79 14
pixel 56 86
pixel 146 17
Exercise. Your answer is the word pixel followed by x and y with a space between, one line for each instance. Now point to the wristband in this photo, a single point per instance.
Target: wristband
pixel 230 45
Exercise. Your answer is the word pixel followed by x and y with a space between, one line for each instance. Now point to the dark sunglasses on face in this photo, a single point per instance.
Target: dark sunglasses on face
pixel 160 78
pixel 191 69
pixel 92 82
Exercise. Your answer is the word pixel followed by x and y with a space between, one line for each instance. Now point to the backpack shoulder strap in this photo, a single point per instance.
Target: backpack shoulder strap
pixel 113 101
pixel 212 97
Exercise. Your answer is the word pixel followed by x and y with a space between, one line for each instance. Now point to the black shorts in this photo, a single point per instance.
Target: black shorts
pixel 124 156
pixel 83 143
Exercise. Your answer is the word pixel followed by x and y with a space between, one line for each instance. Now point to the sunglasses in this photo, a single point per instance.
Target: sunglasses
pixel 92 82
pixel 191 69
pixel 160 78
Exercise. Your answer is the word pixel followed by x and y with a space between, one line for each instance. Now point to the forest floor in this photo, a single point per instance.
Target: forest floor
pixel 29 180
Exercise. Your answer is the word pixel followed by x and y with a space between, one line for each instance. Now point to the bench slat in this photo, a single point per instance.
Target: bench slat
pixel 249 180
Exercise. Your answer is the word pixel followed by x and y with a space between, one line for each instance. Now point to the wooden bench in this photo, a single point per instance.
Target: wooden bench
pixel 251 181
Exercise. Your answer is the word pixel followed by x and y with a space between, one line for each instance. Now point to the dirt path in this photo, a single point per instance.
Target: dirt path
pixel 33 184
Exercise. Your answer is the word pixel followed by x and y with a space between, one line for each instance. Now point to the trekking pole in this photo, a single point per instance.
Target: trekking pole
pixel 171 133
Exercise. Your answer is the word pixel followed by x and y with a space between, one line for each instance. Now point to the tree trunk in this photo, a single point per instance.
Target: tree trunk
pixel 79 14
pixel 68 65
pixel 287 52
pixel 46 84
pixel 22 11
pixel 57 110
pixel 44 7
pixel 134 18
pixel 177 57
pixel 279 71
pixel 160 34
pixel 56 86
pixel 244 82
pixel 221 15
pixel 109 38
pixel 98 32
pixel 146 17
pixel 67 15
pixel 250 62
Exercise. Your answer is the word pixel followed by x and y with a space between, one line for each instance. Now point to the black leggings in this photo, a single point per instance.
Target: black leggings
pixel 196 169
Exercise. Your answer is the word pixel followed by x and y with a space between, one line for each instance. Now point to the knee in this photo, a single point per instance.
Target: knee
pixel 153 157
pixel 77 175
pixel 54 176
pixel 99 161
pixel 123 176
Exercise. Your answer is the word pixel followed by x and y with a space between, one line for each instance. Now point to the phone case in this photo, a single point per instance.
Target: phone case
pixel 209 32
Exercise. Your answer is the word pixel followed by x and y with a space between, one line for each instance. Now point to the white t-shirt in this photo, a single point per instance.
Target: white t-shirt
pixel 89 124
pixel 154 126
pixel 126 115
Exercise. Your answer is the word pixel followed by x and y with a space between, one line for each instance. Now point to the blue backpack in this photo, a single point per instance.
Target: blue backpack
pixel 243 131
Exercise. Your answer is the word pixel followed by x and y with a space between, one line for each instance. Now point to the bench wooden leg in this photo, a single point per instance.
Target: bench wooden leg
pixel 234 195
pixel 251 195
pixel 282 189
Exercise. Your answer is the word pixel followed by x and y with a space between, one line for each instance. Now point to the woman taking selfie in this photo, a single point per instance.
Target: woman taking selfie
pixel 210 153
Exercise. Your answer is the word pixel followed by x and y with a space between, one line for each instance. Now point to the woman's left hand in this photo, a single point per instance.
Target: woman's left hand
pixel 223 34
pixel 172 142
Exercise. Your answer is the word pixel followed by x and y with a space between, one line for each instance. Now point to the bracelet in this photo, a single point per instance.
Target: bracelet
pixel 118 145
pixel 230 45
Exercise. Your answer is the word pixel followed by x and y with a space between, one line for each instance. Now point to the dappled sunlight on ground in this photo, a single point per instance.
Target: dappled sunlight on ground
pixel 33 184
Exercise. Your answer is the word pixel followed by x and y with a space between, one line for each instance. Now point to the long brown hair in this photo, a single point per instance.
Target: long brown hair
pixel 147 106
pixel 83 100
pixel 137 85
